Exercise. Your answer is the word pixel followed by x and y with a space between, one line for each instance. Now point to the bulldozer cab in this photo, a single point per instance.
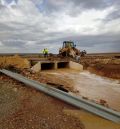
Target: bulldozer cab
pixel 67 44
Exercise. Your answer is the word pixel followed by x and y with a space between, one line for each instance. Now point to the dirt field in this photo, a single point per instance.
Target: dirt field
pixel 107 70
pixel 25 108
pixel 20 107
pixel 108 67
pixel 14 61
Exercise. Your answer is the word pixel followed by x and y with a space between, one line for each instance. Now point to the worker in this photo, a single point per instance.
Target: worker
pixel 45 52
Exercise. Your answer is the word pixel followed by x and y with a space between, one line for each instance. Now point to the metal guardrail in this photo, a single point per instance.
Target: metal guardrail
pixel 71 99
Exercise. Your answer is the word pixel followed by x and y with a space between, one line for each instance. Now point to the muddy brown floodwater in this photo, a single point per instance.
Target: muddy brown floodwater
pixel 92 86
pixel 95 88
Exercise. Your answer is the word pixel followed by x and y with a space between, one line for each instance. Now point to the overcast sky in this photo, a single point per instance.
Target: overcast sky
pixel 31 25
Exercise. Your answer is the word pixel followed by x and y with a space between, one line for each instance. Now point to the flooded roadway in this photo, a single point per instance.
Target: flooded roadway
pixel 92 86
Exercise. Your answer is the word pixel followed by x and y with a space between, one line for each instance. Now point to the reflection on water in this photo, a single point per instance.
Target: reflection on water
pixel 93 86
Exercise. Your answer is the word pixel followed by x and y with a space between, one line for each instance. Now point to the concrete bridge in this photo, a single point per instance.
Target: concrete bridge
pixel 53 65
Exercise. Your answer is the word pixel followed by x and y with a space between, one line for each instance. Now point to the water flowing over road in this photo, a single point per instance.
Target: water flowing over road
pixel 92 86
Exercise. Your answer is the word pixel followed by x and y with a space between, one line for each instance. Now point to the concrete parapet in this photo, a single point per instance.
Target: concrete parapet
pixel 36 67
pixel 49 65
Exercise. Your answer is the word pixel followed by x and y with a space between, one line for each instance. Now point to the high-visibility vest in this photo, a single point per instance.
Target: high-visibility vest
pixel 46 50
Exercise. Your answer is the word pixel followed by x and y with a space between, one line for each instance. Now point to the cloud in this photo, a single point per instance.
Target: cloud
pixel 1 43
pixel 70 7
pixel 113 15
pixel 31 25
pixel 87 4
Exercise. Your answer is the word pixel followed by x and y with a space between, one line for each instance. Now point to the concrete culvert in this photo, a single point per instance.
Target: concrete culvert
pixel 63 64
pixel 47 66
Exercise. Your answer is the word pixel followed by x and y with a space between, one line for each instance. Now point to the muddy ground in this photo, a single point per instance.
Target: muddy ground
pixel 107 70
pixel 104 66
pixel 14 61
pixel 26 108
pixel 20 107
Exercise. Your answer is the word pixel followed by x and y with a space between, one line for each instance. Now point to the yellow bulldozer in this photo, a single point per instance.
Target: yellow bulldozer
pixel 69 50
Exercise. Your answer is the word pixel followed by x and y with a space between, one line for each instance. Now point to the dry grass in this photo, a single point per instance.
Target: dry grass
pixel 14 61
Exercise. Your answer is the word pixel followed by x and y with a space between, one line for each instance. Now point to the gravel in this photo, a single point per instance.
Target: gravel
pixel 25 108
